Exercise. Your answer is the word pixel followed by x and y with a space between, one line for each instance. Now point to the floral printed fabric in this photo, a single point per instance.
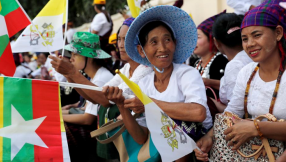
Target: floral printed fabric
pixel 221 152
pixel 87 44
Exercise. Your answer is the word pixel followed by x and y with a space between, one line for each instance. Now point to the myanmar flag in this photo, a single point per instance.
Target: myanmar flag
pixel 12 20
pixel 30 121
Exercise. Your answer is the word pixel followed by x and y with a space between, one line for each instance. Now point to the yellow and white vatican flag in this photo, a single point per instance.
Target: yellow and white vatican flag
pixel 170 140
pixel 45 33
pixel 134 6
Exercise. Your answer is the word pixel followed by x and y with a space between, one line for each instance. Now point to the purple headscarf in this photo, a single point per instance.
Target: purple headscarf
pixel 269 14
pixel 128 21
pixel 206 27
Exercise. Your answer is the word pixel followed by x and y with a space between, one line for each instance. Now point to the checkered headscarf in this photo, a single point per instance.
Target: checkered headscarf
pixel 269 14
pixel 206 27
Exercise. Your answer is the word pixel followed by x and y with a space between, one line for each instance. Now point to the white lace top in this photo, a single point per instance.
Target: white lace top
pixel 260 95
pixel 227 82
pixel 138 74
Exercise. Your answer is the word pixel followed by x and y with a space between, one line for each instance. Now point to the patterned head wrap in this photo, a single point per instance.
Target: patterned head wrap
pixel 269 14
pixel 206 27
pixel 128 21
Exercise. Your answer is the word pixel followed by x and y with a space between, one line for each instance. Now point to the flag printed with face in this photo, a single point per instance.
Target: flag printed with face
pixel 48 23
pixel 30 121
pixel 170 140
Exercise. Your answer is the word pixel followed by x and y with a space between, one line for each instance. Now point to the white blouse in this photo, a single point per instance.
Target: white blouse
pixel 227 82
pixel 100 78
pixel 242 6
pixel 260 95
pixel 116 81
pixel 100 24
pixel 185 85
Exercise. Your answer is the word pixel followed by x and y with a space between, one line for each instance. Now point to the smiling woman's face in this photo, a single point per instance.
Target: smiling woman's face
pixel 260 42
pixel 159 47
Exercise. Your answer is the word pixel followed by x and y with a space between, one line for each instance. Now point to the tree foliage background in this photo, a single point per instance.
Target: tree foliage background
pixel 80 11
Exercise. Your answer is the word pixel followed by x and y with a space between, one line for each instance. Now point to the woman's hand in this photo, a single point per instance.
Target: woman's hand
pixel 62 65
pixel 67 107
pixel 135 105
pixel 220 106
pixel 205 144
pixel 241 132
pixel 114 94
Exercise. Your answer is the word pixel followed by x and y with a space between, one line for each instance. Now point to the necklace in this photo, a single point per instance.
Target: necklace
pixel 274 96
pixel 206 65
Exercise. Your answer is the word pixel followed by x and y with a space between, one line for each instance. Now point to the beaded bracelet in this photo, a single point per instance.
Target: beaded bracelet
pixel 257 128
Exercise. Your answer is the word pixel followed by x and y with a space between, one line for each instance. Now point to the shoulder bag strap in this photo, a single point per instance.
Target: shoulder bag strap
pixel 108 127
pixel 215 97
pixel 265 142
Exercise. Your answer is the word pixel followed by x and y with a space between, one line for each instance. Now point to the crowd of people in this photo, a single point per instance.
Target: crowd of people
pixel 236 64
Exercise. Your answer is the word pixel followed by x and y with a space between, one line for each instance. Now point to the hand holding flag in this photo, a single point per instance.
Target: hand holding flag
pixel 170 140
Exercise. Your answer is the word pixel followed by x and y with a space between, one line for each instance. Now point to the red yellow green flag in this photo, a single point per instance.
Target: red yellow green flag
pixel 30 120
pixel 12 20
pixel 15 18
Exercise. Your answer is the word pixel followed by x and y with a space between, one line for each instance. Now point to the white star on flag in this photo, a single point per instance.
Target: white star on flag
pixel 21 132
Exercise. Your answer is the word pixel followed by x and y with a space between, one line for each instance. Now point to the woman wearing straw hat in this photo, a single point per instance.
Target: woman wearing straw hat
pixel 163 37
pixel 261 84
pixel 132 69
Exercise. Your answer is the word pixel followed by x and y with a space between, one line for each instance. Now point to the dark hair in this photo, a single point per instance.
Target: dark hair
pixel 208 36
pixel 116 45
pixel 222 24
pixel 143 34
pixel 283 43
pixel 44 53
pixel 16 57
pixel 99 7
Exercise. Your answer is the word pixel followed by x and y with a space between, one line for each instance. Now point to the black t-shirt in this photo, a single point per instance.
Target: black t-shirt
pixel 216 71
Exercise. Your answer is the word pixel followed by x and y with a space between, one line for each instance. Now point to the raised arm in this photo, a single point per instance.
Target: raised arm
pixel 68 70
